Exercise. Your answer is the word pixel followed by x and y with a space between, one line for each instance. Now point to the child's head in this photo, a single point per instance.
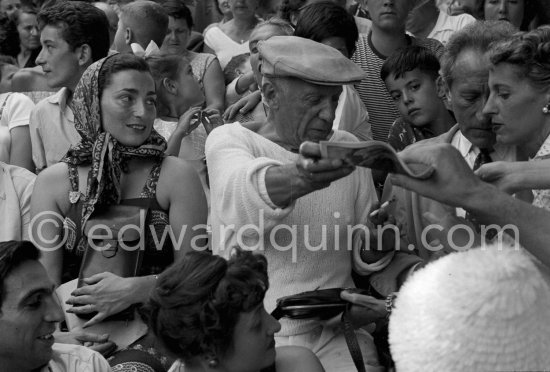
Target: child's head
pixel 175 82
pixel 239 65
pixel 140 22
pixel 411 77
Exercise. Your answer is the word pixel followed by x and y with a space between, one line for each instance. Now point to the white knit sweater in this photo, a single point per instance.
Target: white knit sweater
pixel 237 161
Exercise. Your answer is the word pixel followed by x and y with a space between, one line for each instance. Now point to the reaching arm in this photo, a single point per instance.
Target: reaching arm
pixel 183 129
pixel 287 183
pixel 214 87
pixel 512 177
pixel 453 183
pixel 244 105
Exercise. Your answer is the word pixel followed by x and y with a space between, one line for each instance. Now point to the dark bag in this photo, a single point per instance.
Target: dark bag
pixel 115 236
pixel 322 304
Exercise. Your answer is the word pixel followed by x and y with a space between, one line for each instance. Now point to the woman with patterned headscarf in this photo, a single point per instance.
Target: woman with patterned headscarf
pixel 119 160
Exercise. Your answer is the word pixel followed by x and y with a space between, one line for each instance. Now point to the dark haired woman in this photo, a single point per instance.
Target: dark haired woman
pixel 209 313
pixel 120 160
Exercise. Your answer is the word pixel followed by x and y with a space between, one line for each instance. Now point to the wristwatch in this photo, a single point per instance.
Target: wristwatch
pixel 389 303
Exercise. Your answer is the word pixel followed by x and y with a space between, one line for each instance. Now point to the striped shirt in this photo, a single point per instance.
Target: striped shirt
pixel 372 90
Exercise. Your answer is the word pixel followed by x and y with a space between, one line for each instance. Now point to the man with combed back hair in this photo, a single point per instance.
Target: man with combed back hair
pixel 73 34
pixel 29 313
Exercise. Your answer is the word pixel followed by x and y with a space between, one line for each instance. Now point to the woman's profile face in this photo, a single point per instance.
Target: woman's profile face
pixel 504 10
pixel 515 106
pixel 253 342
pixel 128 107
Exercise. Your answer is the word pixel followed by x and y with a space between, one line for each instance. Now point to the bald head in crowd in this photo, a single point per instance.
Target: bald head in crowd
pixel 140 22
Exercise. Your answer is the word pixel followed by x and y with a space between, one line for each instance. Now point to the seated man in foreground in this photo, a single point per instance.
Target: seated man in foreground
pixel 299 212
pixel 29 316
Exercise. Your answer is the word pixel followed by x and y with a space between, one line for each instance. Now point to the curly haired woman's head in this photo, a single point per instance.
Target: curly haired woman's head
pixel 529 53
pixel 200 299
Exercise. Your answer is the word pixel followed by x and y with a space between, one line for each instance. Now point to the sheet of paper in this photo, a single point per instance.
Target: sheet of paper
pixel 122 333
pixel 375 155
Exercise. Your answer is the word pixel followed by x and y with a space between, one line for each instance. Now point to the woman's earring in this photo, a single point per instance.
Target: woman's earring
pixel 546 109
pixel 213 363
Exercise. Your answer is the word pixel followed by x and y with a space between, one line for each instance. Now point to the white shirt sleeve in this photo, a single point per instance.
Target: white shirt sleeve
pixel 18 110
pixel 237 179
pixel 76 358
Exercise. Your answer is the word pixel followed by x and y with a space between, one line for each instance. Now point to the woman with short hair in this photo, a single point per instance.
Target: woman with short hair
pixel 519 102
pixel 209 313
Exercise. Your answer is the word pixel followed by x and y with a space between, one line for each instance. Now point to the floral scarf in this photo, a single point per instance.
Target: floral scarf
pixel 98 148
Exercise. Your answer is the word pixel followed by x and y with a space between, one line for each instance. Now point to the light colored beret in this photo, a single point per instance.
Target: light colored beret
pixel 316 63
pixel 479 310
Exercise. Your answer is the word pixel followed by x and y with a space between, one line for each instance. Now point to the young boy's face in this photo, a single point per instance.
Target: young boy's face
pixel 415 95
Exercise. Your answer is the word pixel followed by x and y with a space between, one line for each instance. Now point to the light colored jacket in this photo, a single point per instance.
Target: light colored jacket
pixel 408 210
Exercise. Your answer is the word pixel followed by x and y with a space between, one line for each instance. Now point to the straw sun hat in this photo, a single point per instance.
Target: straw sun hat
pixel 480 310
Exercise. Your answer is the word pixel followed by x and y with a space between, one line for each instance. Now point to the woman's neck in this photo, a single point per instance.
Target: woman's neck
pixel 532 146
pixel 168 112
pixel 243 24
pixel 23 56
pixel 174 111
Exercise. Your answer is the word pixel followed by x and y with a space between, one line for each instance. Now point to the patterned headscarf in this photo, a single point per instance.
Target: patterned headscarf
pixel 105 154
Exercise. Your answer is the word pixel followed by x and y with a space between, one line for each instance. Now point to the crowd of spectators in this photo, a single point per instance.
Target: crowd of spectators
pixel 179 147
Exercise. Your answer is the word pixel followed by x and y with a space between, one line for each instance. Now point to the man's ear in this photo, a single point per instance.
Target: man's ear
pixel 270 95
pixel 170 86
pixel 446 90
pixel 128 36
pixel 441 88
pixel 84 54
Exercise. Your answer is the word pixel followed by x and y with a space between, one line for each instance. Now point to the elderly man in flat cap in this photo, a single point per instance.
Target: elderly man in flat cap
pixel 297 211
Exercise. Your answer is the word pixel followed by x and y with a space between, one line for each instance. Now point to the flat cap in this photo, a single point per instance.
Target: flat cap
pixel 316 63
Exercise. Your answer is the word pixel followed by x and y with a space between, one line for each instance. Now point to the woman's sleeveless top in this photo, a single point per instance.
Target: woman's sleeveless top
pixel 156 257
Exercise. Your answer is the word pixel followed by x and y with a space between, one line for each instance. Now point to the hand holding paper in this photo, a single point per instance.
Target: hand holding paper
pixel 375 155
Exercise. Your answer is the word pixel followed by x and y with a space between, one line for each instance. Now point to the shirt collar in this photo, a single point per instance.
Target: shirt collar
pixel 500 152
pixel 60 98
pixel 463 144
